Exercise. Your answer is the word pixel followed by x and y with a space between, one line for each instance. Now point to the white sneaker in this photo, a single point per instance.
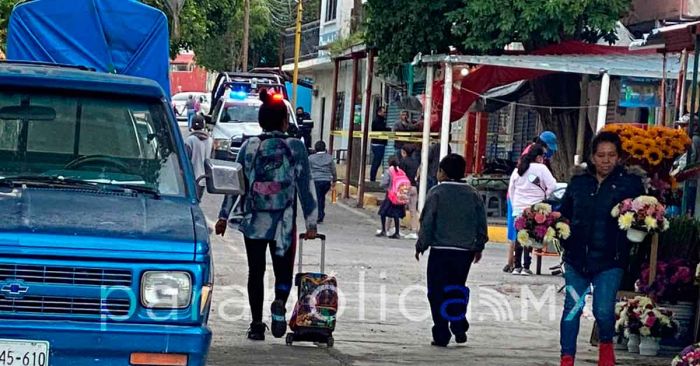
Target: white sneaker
pixel 517 271
pixel 526 272
pixel 380 231
pixel 412 236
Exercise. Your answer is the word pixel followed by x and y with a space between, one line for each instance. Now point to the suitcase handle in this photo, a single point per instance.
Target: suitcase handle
pixel 319 236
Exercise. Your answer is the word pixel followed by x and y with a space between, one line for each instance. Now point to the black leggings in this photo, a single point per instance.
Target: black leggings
pixel 397 224
pixel 256 250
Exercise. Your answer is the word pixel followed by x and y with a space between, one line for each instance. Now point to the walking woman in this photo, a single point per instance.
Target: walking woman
pixel 530 183
pixel 597 251
pixel 277 170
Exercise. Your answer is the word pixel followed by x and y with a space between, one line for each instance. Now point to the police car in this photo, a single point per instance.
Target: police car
pixel 234 117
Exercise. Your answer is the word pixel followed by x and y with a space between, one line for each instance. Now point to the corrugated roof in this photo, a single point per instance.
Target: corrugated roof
pixel 643 65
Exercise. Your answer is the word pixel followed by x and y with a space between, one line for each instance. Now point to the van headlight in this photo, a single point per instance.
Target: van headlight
pixel 166 290
pixel 222 144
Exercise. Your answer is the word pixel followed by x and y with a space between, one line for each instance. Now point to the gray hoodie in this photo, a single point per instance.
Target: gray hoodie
pixel 453 218
pixel 322 167
pixel 199 148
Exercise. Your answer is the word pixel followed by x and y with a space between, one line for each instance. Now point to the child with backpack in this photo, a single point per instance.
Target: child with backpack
pixel 398 188
pixel 453 225
pixel 277 171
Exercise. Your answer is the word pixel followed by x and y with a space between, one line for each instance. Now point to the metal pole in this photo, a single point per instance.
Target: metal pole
pixel 603 105
pixel 428 112
pixel 246 35
pixel 446 111
pixel 353 99
pixel 297 51
pixel 663 91
pixel 691 124
pixel 582 114
pixel 365 132
pixel 683 75
pixel 334 106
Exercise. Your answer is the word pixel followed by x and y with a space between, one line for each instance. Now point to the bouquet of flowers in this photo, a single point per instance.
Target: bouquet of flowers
pixel 641 316
pixel 651 147
pixel 539 225
pixel 690 356
pixel 673 283
pixel 641 216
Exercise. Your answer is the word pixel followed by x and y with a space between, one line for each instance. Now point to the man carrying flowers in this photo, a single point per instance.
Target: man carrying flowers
pixel 597 250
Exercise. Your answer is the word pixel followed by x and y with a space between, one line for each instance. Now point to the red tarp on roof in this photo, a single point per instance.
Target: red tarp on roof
pixel 487 77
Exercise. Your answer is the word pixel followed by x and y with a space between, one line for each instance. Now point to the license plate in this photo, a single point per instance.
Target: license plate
pixel 24 353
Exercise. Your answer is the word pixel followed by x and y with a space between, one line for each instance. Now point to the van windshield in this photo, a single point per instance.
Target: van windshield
pixel 106 140
pixel 240 112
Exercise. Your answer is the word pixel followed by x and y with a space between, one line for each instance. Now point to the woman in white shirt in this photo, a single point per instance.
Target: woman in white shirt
pixel 530 183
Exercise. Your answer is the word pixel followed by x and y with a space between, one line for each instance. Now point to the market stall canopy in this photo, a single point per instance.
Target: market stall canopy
pixel 115 36
pixel 566 57
pixel 673 38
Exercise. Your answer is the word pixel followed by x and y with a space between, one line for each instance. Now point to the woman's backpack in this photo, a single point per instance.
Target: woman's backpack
pixel 400 187
pixel 273 178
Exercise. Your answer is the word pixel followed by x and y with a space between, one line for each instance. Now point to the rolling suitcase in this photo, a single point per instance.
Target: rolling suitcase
pixel 313 319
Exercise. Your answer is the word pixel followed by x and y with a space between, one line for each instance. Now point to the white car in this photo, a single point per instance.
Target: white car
pixel 180 101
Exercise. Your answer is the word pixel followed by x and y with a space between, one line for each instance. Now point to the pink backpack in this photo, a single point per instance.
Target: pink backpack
pixel 400 187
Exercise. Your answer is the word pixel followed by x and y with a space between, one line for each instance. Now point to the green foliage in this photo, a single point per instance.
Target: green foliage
pixel 487 26
pixel 342 44
pixel 402 28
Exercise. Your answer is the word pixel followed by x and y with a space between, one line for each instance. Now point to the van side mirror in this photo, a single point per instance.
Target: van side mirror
pixel 224 177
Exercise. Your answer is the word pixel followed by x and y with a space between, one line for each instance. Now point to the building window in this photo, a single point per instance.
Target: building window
pixel 331 10
pixel 181 67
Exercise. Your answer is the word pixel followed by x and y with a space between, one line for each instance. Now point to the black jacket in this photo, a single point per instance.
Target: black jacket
pixel 379 125
pixel 596 243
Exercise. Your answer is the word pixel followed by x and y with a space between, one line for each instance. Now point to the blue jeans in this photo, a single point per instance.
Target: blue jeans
pixel 377 160
pixel 605 287
pixel 190 116
pixel 322 189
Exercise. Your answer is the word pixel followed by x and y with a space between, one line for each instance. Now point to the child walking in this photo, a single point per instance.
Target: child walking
pixel 453 226
pixel 394 181
pixel 199 146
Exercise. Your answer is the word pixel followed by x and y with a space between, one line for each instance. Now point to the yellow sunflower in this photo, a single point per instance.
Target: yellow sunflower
pixel 654 156
pixel 638 151
pixel 678 147
pixel 628 146
pixel 656 132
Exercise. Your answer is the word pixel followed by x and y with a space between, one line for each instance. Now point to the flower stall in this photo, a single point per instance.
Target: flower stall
pixel 665 253
pixel 641 324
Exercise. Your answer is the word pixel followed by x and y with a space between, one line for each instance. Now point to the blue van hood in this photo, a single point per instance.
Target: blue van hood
pixel 37 221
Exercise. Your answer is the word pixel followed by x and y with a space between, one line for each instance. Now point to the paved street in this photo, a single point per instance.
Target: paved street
pixel 384 315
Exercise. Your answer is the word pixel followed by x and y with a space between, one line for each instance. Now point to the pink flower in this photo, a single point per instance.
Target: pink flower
pixel 651 320
pixel 540 219
pixel 520 223
pixel 556 215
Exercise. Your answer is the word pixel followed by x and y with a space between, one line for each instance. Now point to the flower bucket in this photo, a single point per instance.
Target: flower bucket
pixel 633 343
pixel 649 346
pixel 636 236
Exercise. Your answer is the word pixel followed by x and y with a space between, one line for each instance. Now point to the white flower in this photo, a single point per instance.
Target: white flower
pixel 650 223
pixel 543 208
pixel 615 211
pixel 666 225
pixel 625 221
pixel 645 331
pixel 549 236
pixel 646 200
pixel 523 237
pixel 564 230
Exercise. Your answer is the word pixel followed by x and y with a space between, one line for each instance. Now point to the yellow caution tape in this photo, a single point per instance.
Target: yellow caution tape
pixel 390 136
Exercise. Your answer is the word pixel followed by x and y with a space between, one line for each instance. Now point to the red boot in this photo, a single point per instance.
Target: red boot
pixel 567 360
pixel 606 354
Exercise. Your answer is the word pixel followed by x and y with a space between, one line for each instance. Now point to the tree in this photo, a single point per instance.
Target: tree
pixel 487 26
pixel 402 28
